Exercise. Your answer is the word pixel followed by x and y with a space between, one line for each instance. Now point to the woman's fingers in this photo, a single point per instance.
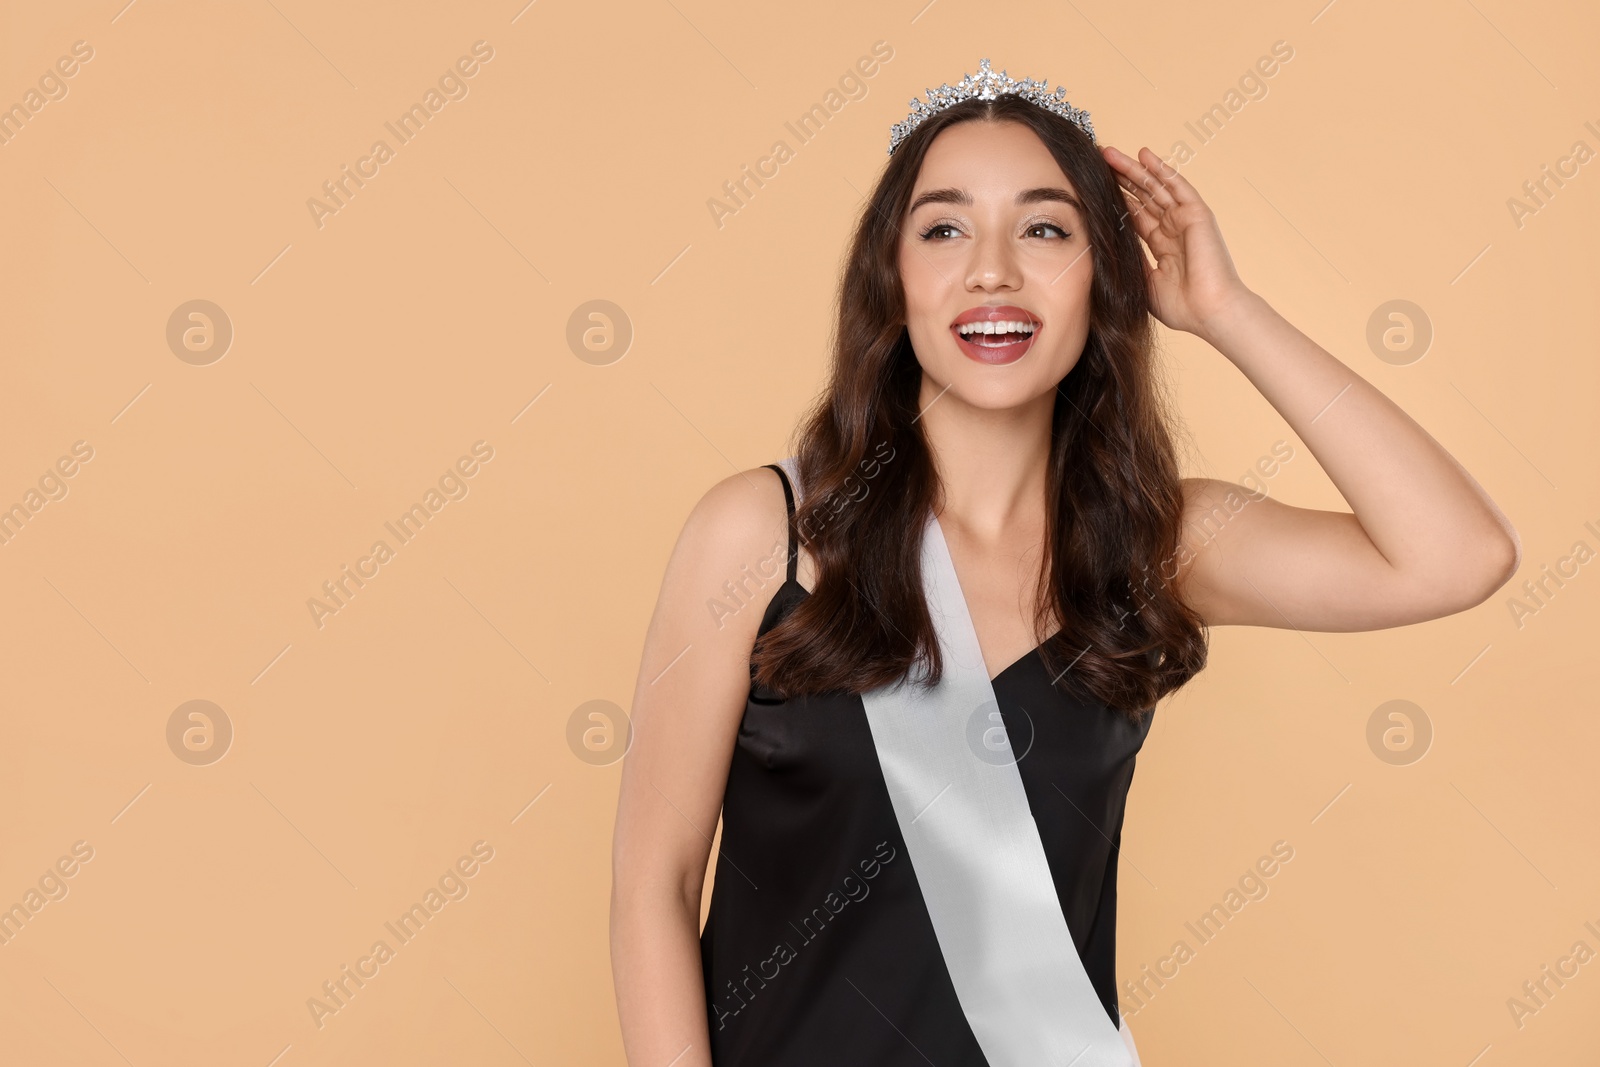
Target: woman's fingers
pixel 1150 188
pixel 1145 221
pixel 1174 182
pixel 1139 206
pixel 1145 208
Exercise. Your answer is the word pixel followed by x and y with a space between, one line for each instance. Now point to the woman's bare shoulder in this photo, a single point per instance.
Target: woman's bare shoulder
pixel 740 519
pixel 732 552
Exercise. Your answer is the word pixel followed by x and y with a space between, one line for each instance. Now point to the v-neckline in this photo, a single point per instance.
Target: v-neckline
pixel 1034 651
pixel 961 592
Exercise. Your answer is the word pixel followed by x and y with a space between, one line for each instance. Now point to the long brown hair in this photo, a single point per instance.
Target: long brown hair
pixel 868 483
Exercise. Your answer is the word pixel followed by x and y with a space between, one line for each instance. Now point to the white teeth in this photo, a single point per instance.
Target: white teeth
pixel 967 328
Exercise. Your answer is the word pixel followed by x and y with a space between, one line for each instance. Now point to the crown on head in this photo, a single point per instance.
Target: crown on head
pixel 986 85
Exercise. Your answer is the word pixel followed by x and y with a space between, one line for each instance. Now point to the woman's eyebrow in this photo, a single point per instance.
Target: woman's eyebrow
pixel 1047 192
pixel 1036 195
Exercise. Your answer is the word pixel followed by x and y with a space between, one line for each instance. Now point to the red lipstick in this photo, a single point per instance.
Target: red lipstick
pixel 996 334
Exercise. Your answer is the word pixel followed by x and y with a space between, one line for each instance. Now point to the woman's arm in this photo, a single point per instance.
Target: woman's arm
pixel 1424 541
pixel 694 677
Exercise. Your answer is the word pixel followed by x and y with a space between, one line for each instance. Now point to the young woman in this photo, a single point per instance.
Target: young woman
pixel 912 665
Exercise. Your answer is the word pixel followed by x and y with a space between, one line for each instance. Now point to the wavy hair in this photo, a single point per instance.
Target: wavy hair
pixel 1115 502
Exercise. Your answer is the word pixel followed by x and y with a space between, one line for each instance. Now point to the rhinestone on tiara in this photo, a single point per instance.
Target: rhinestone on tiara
pixel 986 85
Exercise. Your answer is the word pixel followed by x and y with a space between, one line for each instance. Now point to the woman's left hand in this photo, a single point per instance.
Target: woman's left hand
pixel 1193 281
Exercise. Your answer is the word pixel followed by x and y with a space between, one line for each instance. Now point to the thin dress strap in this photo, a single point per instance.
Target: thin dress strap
pixel 788 502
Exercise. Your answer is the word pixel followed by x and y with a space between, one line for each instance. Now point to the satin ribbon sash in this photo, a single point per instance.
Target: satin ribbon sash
pixel 959 801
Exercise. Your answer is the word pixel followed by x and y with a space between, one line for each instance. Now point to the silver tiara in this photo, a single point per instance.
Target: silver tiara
pixel 986 85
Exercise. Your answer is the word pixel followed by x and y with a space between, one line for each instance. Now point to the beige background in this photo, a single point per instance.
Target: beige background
pixel 432 709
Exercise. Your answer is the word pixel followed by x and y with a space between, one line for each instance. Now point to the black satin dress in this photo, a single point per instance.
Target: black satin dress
pixel 818 949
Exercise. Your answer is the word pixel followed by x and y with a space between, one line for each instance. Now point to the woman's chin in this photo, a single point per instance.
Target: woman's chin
pixel 1015 385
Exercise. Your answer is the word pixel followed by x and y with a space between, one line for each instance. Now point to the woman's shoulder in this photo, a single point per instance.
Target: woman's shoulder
pixel 735 541
pixel 740 514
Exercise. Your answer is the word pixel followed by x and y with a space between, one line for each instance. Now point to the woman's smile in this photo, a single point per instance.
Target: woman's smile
pixel 996 334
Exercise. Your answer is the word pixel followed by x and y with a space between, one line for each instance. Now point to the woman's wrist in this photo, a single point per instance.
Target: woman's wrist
pixel 1222 325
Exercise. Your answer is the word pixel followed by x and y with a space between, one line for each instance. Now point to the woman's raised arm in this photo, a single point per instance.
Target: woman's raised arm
pixel 1425 540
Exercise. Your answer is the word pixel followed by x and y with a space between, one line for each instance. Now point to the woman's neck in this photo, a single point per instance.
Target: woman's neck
pixel 993 463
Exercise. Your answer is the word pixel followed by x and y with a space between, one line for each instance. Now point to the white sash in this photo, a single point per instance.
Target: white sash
pixel 976 850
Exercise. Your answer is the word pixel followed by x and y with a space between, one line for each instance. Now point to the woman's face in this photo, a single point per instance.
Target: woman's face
pixel 994 232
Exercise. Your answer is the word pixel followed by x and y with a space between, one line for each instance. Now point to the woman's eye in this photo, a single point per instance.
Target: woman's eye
pixel 936 231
